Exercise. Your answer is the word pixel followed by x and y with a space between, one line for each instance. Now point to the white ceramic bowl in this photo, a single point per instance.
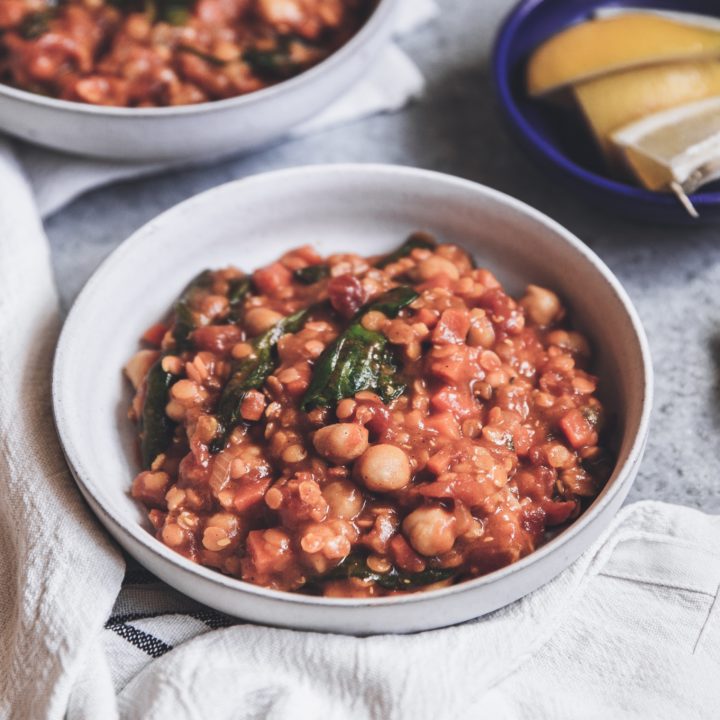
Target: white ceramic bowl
pixel 205 130
pixel 368 209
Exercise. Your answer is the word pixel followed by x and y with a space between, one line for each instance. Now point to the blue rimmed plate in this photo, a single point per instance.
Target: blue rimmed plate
pixel 556 138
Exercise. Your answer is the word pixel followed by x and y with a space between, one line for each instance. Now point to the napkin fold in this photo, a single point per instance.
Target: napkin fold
pixel 390 83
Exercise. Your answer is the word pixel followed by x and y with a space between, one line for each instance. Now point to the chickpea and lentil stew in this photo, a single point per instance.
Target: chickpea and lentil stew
pixel 359 427
pixel 146 53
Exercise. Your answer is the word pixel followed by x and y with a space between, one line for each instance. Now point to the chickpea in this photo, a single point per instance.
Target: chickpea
pixel 383 468
pixel 574 342
pixel 541 305
pixel 344 499
pixel 258 320
pixel 434 266
pixel 342 442
pixel 482 333
pixel 430 530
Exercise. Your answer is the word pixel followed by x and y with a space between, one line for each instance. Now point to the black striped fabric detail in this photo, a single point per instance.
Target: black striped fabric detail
pixel 122 623
pixel 212 619
pixel 149 644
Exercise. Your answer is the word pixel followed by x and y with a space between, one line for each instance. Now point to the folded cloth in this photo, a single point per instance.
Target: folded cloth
pixel 59 573
pixel 389 84
pixel 631 630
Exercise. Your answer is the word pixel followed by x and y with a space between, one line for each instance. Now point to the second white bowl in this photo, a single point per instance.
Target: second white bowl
pixel 206 130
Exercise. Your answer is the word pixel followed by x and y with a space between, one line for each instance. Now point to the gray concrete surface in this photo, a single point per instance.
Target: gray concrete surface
pixel 672 274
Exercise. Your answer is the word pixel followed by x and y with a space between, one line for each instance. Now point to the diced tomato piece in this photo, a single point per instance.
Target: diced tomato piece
pixel 440 461
pixel 558 512
pixel 449 399
pixel 470 489
pixel 272 278
pixel 154 334
pixel 150 487
pixel 268 557
pixel 347 294
pixel 250 494
pixel 486 278
pixel 12 13
pixel 452 369
pixel 577 429
pixel 405 557
pixel 445 424
pixel 217 338
pixel 452 328
pixel 192 473
pixel 535 482
pixel 503 311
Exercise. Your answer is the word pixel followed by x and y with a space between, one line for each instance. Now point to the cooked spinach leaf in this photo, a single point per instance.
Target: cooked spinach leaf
pixel 360 359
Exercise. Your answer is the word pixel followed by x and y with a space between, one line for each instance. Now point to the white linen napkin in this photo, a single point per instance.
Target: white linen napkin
pixel 631 630
pixel 60 574
pixel 392 81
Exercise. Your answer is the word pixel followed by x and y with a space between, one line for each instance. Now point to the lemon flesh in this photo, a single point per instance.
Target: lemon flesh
pixel 686 18
pixel 677 146
pixel 602 46
pixel 613 101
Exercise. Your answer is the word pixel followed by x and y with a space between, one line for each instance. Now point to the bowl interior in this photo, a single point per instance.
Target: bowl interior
pixel 559 134
pixel 367 209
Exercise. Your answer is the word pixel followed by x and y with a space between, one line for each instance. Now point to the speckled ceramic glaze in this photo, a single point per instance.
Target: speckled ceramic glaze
pixel 188 132
pixel 365 208
pixel 558 140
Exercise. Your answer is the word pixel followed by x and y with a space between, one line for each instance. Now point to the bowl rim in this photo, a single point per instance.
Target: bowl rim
pixel 134 533
pixel 383 12
pixel 501 72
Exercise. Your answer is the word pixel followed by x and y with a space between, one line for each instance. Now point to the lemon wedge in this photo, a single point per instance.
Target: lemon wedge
pixel 606 45
pixel 704 21
pixel 613 101
pixel 677 149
